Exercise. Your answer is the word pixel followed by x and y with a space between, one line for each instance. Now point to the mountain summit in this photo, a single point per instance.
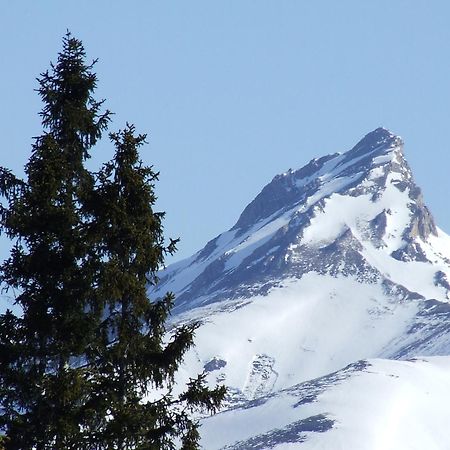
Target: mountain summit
pixel 322 218
pixel 337 262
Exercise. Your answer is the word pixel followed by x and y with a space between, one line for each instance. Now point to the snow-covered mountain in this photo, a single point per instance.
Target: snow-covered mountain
pixel 336 262
pixel 369 405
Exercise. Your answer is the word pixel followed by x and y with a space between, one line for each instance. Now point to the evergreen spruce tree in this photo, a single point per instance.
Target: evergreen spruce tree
pixel 132 357
pixel 77 365
pixel 42 383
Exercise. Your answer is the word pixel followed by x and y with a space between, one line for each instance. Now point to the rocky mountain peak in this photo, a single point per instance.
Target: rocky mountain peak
pixel 379 147
pixel 321 218
pixel 378 141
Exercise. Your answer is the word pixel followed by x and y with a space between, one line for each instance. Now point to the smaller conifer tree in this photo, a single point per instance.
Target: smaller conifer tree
pixel 131 357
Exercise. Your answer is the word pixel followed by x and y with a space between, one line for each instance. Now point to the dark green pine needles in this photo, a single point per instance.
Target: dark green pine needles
pixel 78 364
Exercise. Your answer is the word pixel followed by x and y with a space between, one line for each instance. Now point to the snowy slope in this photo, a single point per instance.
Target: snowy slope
pixel 336 262
pixel 305 329
pixel 370 405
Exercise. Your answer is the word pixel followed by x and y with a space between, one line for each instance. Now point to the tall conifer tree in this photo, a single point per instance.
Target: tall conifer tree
pixel 41 387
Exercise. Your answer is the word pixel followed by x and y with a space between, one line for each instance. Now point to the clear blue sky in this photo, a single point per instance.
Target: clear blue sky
pixel 233 92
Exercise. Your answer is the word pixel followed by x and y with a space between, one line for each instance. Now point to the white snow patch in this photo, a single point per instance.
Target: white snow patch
pixel 300 327
pixel 342 211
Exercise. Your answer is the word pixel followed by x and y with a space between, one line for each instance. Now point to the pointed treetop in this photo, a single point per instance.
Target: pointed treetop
pixel 66 90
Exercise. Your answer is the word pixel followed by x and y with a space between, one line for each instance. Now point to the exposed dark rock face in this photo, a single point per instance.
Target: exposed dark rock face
pixel 410 252
pixel 214 364
pixel 378 227
pixel 293 433
pixel 287 190
pixel 440 279
pixel 430 331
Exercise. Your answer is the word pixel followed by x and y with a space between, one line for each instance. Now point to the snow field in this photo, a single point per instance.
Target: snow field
pixel 390 405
